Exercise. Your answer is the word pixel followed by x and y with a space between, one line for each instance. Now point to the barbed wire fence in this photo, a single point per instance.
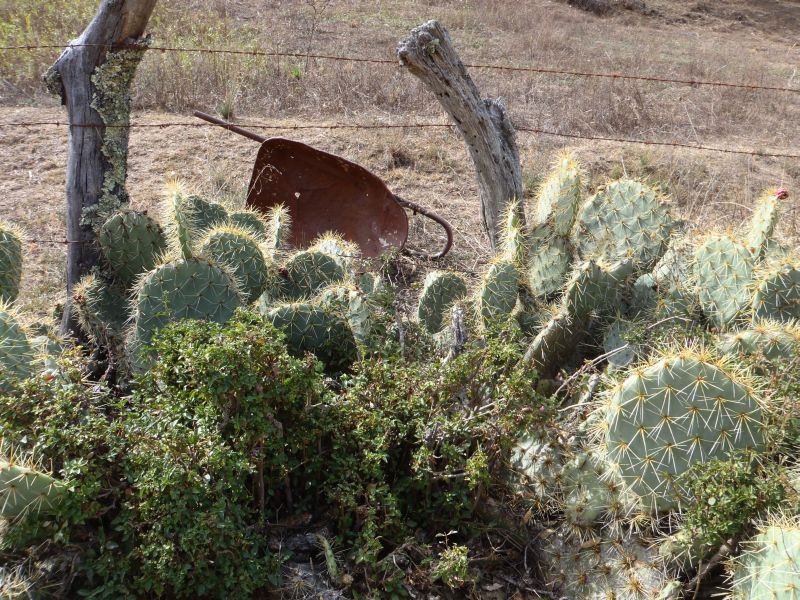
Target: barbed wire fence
pixel 407 125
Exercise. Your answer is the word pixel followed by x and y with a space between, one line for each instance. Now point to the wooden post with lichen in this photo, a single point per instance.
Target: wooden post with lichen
pixel 93 77
pixel 484 124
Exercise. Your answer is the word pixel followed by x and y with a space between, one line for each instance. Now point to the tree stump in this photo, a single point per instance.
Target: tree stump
pixel 484 124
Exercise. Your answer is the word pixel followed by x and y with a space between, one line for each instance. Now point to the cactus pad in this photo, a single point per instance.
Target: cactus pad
pixel 512 234
pixel 548 264
pixel 24 489
pixel 102 311
pixel 310 328
pixel 308 272
pixel 777 294
pixel 559 197
pixel 279 230
pixel 440 291
pixel 239 251
pixel 251 221
pixel 762 226
pixel 10 261
pixel 723 272
pixel 555 344
pixel 678 410
pixel 621 351
pixel 595 287
pixel 536 467
pixel 340 249
pixel 769 340
pixel 626 219
pixel 352 305
pixel 203 213
pixel 499 290
pixel 16 353
pixel 183 289
pixel 768 567
pixel 131 243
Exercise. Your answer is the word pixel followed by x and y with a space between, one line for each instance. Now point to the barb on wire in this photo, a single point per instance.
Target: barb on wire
pixel 277 127
pixel 387 61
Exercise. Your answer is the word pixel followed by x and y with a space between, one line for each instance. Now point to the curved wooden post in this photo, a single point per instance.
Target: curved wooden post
pixel 484 124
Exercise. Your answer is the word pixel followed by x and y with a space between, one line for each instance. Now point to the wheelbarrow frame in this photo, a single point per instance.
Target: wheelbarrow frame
pixel 402 202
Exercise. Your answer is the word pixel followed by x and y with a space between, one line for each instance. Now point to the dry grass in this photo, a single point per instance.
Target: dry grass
pixel 740 41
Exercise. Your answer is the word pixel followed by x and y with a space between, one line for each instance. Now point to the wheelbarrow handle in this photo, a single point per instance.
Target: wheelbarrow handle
pixel 230 126
pixel 416 208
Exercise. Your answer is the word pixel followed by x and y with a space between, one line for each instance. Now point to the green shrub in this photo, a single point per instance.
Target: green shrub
pixel 418 444
pixel 168 489
pixel 728 496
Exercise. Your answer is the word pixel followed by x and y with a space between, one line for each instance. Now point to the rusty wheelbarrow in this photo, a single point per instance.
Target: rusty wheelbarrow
pixel 325 192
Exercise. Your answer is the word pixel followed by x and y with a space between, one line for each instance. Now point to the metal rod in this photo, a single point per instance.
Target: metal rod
pixel 434 217
pixel 230 127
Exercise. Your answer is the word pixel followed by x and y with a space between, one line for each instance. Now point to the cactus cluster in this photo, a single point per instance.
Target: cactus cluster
pixel 24 489
pixel 205 262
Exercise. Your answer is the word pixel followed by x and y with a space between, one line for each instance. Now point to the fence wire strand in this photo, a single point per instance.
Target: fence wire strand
pixel 372 60
pixel 332 126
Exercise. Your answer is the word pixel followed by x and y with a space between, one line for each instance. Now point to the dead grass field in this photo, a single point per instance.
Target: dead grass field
pixel 737 40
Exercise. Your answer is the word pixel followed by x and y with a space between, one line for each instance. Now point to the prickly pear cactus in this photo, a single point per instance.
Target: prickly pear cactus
pixel 497 296
pixel 767 339
pixel 310 328
pixel 369 283
pixel 777 294
pixel 308 272
pixel 595 286
pixel 131 243
pixel 626 219
pixel 440 291
pixel 560 195
pixel 251 221
pixel 239 251
pixel 680 409
pixel 279 230
pixel 512 235
pixel 768 567
pixel 16 584
pixel 16 353
pixel 204 213
pixel 620 350
pixel 24 489
pixel 762 226
pixel 11 238
pixel 603 567
pixel 723 272
pixel 181 225
pixel 350 303
pixel 555 344
pixel 536 469
pixel 332 244
pixel 183 288
pixel 548 263
pixel 102 311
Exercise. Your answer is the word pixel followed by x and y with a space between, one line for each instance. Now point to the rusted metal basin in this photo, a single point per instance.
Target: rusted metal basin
pixel 325 192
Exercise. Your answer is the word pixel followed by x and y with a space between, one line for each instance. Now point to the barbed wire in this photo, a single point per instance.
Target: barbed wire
pixel 372 60
pixel 278 127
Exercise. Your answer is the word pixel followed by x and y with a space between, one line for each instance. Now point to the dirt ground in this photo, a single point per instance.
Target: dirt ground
pixel 431 166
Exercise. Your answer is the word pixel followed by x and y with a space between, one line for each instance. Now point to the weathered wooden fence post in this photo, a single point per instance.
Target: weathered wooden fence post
pixel 484 124
pixel 93 77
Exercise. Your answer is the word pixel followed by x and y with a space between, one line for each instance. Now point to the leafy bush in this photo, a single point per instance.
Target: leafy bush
pixel 729 495
pixel 169 487
pixel 418 444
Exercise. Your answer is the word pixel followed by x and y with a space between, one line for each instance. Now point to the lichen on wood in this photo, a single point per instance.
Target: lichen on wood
pixel 112 82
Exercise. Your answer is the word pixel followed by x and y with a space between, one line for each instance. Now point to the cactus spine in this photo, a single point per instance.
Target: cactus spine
pixel 131 243
pixel 762 226
pixel 498 293
pixel 723 271
pixel 560 195
pixel 777 294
